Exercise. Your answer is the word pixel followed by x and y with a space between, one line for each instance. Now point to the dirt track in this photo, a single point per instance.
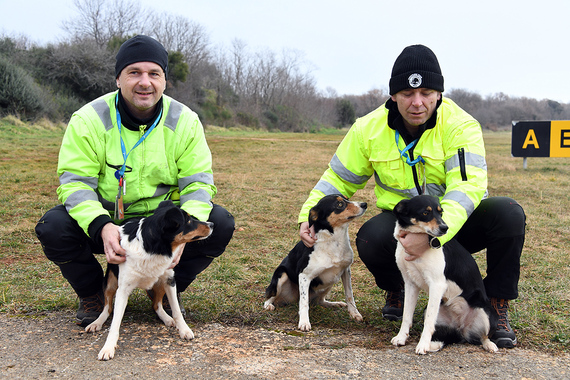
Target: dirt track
pixel 54 347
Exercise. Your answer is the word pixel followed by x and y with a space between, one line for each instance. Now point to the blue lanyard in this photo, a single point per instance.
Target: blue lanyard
pixel 119 174
pixel 404 153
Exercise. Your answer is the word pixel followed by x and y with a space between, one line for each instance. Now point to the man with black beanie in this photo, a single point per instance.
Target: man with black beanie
pixel 420 142
pixel 121 155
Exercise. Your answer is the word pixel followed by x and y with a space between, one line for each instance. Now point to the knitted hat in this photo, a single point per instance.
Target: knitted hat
pixel 416 67
pixel 141 49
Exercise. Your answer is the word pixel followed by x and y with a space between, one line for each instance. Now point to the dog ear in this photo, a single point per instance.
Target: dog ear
pixel 173 219
pixel 402 207
pixel 313 216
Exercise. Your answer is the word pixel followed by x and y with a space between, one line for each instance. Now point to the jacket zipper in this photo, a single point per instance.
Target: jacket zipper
pixel 415 173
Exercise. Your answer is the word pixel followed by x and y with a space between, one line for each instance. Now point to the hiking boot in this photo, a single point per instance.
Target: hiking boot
pixel 504 336
pixel 394 307
pixel 90 308
pixel 166 305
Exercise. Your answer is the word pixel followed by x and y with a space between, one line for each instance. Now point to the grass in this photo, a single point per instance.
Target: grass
pixel 263 179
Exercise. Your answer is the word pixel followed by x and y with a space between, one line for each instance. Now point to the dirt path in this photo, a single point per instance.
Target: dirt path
pixel 52 347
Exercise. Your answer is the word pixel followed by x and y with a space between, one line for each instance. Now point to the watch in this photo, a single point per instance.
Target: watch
pixel 434 243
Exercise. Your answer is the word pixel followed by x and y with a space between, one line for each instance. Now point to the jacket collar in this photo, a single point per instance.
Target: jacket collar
pixel 131 122
pixel 396 122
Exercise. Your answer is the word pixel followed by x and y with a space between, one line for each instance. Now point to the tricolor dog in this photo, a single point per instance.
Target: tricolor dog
pixel 152 244
pixel 458 308
pixel 308 274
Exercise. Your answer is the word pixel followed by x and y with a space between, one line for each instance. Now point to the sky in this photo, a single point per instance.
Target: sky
pixel 517 47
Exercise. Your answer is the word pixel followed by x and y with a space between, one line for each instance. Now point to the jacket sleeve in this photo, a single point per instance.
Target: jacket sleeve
pixel 78 171
pixel 348 171
pixel 466 175
pixel 195 175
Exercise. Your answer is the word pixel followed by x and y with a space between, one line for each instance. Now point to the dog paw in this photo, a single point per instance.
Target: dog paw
pixel 268 306
pixel 93 327
pixel 106 353
pixel 490 346
pixel 186 333
pixel 399 340
pixel 424 347
pixel 305 326
pixel 356 316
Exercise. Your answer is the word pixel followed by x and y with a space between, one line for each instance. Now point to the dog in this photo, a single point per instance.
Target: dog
pixel 458 308
pixel 308 274
pixel 152 243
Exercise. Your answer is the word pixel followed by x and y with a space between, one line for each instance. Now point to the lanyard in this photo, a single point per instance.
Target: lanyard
pixel 119 174
pixel 404 154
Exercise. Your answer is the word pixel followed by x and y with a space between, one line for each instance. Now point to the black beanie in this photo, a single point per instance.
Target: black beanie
pixel 416 67
pixel 141 49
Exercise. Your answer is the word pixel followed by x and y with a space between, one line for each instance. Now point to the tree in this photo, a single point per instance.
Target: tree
pixel 345 112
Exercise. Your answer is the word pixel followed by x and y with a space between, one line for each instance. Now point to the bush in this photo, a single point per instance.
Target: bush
pixel 19 94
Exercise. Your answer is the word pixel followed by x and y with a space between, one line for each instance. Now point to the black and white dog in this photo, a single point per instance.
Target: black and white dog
pixel 458 308
pixel 152 244
pixel 308 274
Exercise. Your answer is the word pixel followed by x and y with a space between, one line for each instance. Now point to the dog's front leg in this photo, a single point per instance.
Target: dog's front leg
pixel 411 293
pixel 121 298
pixel 183 329
pixel 351 305
pixel 425 345
pixel 304 284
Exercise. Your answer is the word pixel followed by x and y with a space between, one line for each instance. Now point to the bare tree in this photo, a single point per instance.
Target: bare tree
pixel 102 20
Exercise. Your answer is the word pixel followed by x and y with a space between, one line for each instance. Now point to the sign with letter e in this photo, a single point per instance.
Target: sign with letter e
pixel 541 138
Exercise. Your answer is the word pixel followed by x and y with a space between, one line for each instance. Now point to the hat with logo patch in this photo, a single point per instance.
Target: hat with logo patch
pixel 141 49
pixel 416 67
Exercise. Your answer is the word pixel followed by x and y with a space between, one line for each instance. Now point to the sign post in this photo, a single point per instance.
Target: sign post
pixel 540 139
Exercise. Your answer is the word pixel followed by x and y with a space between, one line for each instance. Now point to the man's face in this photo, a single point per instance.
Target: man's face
pixel 416 105
pixel 142 85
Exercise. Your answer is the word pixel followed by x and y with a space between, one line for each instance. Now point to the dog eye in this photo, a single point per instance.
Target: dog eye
pixel 425 213
pixel 339 205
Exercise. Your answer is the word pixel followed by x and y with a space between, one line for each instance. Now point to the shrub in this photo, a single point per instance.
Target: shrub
pixel 19 94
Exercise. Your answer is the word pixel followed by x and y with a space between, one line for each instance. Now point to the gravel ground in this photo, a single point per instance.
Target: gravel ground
pixel 52 346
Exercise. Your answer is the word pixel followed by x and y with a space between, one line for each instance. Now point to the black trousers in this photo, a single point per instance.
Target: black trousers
pixel 67 245
pixel 497 224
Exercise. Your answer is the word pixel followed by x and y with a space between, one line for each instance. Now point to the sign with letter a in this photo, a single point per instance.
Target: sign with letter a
pixel 541 138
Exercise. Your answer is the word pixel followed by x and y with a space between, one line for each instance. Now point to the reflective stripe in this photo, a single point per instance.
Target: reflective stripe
pixel 174 112
pixel 206 178
pixel 408 193
pixel 68 177
pixel 78 197
pixel 462 199
pixel 346 174
pixel 472 159
pixel 104 112
pixel 326 188
pixel 431 189
pixel 161 190
pixel 199 195
pixel 435 189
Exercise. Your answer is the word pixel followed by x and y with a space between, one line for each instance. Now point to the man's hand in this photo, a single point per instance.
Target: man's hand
pixel 307 234
pixel 114 253
pixel 415 244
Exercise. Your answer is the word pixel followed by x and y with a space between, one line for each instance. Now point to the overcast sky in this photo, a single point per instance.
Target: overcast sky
pixel 518 47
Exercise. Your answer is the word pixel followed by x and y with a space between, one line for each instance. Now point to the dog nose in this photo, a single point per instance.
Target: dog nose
pixel 443 228
pixel 363 204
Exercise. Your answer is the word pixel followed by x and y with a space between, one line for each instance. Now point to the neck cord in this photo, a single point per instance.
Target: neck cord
pixel 119 174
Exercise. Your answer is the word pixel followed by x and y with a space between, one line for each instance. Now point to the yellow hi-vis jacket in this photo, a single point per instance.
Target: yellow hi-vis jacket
pixel 173 162
pixel 455 169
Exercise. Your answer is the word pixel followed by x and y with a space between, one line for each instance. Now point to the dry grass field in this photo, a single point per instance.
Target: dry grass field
pixel 263 179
